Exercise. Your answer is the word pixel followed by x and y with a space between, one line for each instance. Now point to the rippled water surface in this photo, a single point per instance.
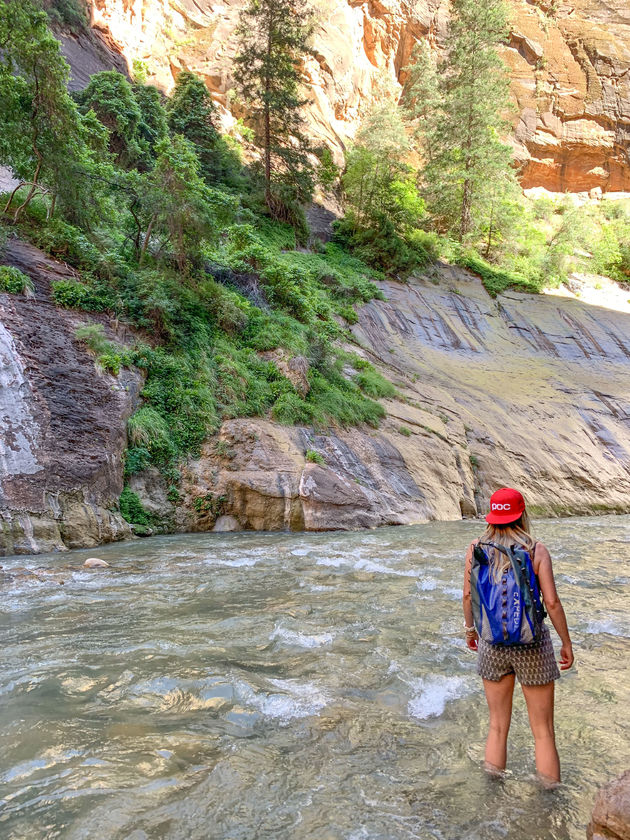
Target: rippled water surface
pixel 293 686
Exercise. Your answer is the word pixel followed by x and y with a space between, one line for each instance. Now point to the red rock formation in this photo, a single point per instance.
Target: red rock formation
pixel 570 66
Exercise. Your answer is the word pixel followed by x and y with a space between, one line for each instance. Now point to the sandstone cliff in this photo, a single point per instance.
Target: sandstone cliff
pixel 570 67
pixel 527 390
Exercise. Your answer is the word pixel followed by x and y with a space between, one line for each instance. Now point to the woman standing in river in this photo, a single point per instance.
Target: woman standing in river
pixel 506 574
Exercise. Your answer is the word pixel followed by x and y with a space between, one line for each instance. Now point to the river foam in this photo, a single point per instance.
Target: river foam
pixel 433 692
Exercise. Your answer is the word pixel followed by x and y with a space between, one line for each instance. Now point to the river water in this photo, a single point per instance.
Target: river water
pixel 296 686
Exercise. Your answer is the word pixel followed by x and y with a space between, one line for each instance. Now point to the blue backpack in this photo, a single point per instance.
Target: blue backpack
pixel 510 611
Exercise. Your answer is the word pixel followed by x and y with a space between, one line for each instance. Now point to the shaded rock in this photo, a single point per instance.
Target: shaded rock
pixel 95 563
pixel 151 488
pixel 63 425
pixel 611 812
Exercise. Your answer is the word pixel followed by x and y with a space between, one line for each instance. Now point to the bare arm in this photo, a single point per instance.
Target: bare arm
pixel 471 637
pixel 553 604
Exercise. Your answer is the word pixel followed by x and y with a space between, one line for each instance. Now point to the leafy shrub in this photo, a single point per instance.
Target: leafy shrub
pixel 314 457
pixel 291 410
pixel 14 281
pixel 383 247
pixel 131 508
pixel 496 280
pixel 74 295
pixel 149 430
pixel 137 459
pixel 403 430
pixel 374 384
pixel 348 314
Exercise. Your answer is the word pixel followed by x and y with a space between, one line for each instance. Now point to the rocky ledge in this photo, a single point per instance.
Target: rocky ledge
pixel 527 390
pixel 611 814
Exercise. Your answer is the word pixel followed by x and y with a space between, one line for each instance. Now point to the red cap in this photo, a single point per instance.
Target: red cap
pixel 506 505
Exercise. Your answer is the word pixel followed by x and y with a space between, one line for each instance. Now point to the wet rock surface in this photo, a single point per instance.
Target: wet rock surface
pixel 611 813
pixel 63 423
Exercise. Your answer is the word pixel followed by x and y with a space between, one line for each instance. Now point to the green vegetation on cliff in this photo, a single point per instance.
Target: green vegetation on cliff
pixel 172 234
pixel 204 256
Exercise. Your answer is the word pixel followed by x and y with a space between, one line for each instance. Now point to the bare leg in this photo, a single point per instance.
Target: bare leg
pixel 539 699
pixel 499 698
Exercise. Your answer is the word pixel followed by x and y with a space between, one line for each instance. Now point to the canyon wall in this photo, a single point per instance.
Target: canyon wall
pixel 62 423
pixel 531 391
pixel 569 64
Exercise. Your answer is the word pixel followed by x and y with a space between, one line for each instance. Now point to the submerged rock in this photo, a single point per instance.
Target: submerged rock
pixel 611 813
pixel 96 563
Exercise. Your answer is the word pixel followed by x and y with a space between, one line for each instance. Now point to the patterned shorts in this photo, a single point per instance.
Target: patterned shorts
pixel 533 664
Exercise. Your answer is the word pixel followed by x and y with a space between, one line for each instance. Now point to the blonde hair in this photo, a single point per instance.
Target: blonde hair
pixel 518 532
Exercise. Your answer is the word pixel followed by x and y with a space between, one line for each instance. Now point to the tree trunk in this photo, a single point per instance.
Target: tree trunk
pixel 268 122
pixel 465 221
pixel 12 196
pixel 490 232
pixel 147 236
pixel 138 233
pixel 31 192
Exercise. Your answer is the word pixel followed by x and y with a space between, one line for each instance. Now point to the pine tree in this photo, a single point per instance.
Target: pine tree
pixel 273 37
pixel 376 173
pixel 42 136
pixel 421 96
pixel 466 154
pixel 191 112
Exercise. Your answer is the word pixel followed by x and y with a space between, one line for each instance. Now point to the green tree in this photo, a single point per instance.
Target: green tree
pixel 42 136
pixel 383 207
pixel 110 96
pixel 192 113
pixel 421 96
pixel 182 210
pixel 153 125
pixel 273 36
pixel 466 154
pixel 133 114
pixel 377 181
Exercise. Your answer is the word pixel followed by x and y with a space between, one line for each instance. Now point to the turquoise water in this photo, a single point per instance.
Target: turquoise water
pixel 293 686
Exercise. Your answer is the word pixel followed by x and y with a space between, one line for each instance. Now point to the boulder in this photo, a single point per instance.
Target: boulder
pixel 96 563
pixel 611 813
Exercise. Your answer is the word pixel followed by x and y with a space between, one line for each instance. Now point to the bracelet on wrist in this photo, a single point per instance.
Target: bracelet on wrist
pixel 471 629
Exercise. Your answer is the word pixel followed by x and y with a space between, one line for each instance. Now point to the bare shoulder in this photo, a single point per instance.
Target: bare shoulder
pixel 541 556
